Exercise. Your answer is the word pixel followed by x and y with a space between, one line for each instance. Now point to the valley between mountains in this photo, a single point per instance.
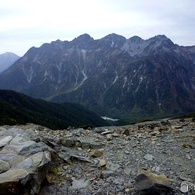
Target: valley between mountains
pixel 129 79
pixel 53 140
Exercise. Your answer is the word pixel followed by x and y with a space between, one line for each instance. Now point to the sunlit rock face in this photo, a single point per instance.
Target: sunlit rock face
pixel 113 76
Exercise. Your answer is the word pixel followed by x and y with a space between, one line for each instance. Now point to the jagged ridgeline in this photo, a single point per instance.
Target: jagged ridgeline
pixel 16 108
pixel 113 76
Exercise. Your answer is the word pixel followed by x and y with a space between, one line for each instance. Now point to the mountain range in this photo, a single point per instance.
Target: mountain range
pixel 112 76
pixel 17 108
pixel 6 60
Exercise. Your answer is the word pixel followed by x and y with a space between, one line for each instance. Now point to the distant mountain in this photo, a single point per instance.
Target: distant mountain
pixel 16 108
pixel 6 60
pixel 113 76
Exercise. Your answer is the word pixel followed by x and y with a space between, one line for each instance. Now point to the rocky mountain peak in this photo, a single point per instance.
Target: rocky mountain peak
pixel 161 40
pixel 114 37
pixel 83 41
pixel 160 37
pixel 136 39
pixel 57 43
pixel 83 38
pixel 114 40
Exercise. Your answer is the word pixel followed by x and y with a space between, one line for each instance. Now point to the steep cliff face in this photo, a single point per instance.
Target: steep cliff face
pixel 115 76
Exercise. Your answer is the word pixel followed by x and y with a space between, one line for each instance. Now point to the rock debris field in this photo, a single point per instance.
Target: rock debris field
pixel 145 158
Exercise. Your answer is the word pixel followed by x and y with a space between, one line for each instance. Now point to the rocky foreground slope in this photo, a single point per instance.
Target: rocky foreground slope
pixel 145 158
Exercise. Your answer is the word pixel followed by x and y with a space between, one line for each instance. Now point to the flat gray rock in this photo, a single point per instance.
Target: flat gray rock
pixel 22 161
pixel 79 184
pixel 4 166
pixel 13 175
pixel 5 140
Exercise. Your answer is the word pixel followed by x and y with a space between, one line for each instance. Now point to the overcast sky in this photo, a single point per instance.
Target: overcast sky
pixel 27 23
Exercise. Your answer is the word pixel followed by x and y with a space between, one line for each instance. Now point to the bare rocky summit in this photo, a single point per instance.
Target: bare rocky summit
pixel 146 158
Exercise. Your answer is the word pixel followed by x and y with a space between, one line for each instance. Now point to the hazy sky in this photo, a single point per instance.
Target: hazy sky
pixel 27 23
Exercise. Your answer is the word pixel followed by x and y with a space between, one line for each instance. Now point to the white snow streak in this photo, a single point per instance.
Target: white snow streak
pixel 125 81
pixel 112 44
pixel 140 81
pixel 110 119
pixel 29 73
pixel 84 79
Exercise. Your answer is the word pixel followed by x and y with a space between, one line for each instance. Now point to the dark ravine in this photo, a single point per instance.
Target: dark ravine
pixel 113 76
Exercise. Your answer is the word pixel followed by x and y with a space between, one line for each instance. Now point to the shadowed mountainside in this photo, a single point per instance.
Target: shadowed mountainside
pixel 16 108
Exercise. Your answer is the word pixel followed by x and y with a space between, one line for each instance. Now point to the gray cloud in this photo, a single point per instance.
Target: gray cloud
pixel 25 24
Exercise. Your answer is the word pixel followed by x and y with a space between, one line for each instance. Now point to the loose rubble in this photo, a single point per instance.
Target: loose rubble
pixel 146 158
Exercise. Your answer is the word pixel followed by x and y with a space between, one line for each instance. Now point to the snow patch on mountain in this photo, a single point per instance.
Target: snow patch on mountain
pixel 84 79
pixel 83 52
pixel 29 73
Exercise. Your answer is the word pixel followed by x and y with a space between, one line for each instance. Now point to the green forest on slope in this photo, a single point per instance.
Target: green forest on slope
pixel 17 108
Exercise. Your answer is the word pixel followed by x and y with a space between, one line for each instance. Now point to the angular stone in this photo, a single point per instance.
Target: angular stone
pixel 90 144
pixel 102 162
pixel 96 153
pixel 127 152
pixel 116 135
pixel 127 171
pixel 34 148
pixel 68 156
pixel 107 132
pixel 16 132
pixel 37 159
pixel 21 140
pixel 67 142
pixel 4 166
pixel 126 132
pixel 25 164
pixel 7 155
pixel 112 166
pixel 109 137
pixel 14 175
pixel 106 173
pixel 18 144
pixel 80 158
pixel 85 145
pixel 176 126
pixel 65 156
pixel 152 183
pixel 14 162
pixel 46 158
pixel 5 140
pixel 79 184
pixel 149 157
pixel 190 146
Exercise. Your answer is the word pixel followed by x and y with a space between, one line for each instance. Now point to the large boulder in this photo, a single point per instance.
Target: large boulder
pixel 24 163
pixel 147 183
